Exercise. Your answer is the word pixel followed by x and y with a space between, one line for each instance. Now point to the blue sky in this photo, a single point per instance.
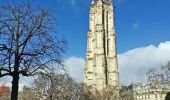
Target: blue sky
pixel 142 27
pixel 138 22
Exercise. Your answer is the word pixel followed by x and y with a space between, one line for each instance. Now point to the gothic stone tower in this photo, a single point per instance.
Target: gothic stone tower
pixel 101 72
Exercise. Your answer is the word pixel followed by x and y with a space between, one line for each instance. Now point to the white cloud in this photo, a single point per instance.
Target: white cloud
pixel 22 82
pixel 133 64
pixel 6 81
pixel 76 67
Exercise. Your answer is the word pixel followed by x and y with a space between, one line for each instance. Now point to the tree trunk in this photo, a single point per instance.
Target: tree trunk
pixel 14 91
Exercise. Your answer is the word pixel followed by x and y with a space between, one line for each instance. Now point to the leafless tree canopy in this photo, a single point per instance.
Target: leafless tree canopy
pixel 57 86
pixel 162 74
pixel 27 42
pixel 27 38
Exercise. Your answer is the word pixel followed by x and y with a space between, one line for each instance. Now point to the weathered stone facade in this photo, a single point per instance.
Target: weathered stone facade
pixel 154 90
pixel 101 72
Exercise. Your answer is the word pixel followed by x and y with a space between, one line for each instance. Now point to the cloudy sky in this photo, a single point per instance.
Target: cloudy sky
pixel 142 27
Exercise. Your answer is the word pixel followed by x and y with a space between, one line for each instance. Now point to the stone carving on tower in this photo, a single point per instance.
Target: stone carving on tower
pixel 101 69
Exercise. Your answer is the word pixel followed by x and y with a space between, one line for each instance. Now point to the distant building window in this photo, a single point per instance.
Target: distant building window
pixel 156 96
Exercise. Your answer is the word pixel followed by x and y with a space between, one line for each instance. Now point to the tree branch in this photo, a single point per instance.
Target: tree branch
pixel 5 74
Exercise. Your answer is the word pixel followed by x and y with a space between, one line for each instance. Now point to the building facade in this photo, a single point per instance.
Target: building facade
pixel 101 70
pixel 4 92
pixel 154 90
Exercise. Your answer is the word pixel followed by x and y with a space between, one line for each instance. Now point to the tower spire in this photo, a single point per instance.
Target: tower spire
pixel 108 1
pixel 101 70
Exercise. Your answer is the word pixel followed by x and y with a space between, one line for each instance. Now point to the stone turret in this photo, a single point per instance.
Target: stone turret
pixel 101 72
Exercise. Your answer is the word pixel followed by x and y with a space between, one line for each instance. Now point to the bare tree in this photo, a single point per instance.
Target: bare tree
pixel 110 93
pixel 27 42
pixel 160 75
pixel 57 86
pixel 166 71
pixel 151 74
pixel 44 85
pixel 27 94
